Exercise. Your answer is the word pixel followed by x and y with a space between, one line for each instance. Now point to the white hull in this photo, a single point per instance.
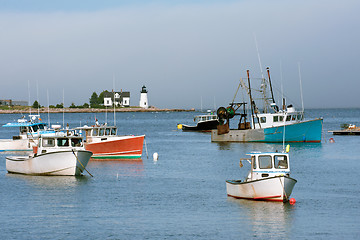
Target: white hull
pixel 53 163
pixel 271 189
pixel 17 145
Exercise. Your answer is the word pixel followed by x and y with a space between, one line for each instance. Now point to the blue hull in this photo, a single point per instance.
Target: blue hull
pixel 307 131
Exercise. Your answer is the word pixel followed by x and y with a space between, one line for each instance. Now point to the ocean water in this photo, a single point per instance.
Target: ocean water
pixel 183 194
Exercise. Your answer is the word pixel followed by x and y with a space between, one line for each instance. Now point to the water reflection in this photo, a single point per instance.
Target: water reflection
pixel 267 219
pixel 126 167
pixel 51 181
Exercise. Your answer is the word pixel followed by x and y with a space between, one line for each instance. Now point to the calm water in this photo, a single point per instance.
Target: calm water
pixel 183 194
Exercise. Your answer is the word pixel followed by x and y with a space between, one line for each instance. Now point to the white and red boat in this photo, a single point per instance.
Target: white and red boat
pixel 269 178
pixel 104 143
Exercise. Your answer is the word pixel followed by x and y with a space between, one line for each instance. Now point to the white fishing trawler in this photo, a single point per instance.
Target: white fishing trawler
pixel 269 178
pixel 29 131
pixel 59 154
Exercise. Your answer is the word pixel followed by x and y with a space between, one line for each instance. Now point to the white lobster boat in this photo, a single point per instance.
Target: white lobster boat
pixel 269 178
pixel 54 155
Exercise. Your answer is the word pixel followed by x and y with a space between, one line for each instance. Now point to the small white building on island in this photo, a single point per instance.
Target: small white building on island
pixel 121 99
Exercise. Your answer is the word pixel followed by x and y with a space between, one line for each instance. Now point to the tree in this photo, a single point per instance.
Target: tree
pixel 72 105
pixel 36 104
pixel 61 105
pixel 94 100
pixel 101 97
pixel 86 105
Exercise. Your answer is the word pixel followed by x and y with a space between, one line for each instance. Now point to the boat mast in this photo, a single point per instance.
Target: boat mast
pixel 301 93
pixel 114 99
pixel 271 90
pixel 263 82
pixel 253 106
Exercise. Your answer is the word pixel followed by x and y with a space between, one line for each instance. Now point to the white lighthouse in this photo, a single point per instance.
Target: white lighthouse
pixel 143 98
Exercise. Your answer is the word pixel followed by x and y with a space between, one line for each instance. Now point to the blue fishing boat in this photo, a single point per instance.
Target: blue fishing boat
pixel 271 125
pixel 29 132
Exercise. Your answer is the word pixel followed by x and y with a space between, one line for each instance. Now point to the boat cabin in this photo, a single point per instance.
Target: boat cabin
pixel 99 131
pixel 204 118
pixel 58 142
pixel 266 120
pixel 264 165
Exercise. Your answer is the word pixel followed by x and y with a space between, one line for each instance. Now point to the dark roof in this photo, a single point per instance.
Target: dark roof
pixel 122 94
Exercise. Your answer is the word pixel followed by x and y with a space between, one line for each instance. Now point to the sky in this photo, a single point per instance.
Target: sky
pixel 189 54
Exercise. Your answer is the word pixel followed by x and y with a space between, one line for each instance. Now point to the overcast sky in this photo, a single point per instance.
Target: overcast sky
pixel 183 51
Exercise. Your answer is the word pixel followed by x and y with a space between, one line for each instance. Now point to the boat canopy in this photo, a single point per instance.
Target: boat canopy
pixel 24 124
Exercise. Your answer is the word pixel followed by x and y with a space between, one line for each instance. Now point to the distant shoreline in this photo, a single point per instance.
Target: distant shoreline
pixel 92 110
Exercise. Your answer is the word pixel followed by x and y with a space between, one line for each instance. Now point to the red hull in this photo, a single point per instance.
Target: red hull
pixel 127 147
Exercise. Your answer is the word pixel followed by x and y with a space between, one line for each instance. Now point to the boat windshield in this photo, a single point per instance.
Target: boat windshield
pixel 265 162
pixel 95 132
pixel 107 131
pixel 101 132
pixel 48 142
pixel 76 142
pixel 63 142
pixel 113 131
pixel 281 162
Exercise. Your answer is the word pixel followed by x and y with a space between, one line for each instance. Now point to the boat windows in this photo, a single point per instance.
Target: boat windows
pixel 41 126
pixel 281 162
pixel 275 118
pixel 264 162
pixel 48 142
pixel 23 129
pixel 95 132
pixel 288 118
pixel 113 131
pixel 300 117
pixel 63 142
pixel 293 117
pixel 107 131
pixel 101 132
pixel 281 118
pixel 263 119
pixel 35 128
pixel 76 142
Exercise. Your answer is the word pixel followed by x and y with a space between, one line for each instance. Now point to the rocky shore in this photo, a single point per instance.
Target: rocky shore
pixel 91 110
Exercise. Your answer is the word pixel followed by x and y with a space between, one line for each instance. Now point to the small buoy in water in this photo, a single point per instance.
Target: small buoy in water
pixel 155 156
pixel 331 140
pixel 292 201
pixel 288 148
pixel 179 126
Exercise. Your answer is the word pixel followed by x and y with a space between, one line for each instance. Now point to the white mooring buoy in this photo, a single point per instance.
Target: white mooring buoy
pixel 155 156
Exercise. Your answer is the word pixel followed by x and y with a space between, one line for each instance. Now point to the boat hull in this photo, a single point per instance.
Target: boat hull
pixel 277 188
pixel 53 163
pixel 306 131
pixel 16 145
pixel 202 126
pixel 124 147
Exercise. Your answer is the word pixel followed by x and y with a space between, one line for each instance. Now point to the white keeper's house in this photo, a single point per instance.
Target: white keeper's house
pixel 121 99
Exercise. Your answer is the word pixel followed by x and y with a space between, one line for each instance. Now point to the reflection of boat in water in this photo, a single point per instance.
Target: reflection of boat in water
pixel 116 168
pixel 266 126
pixel 204 123
pixel 29 132
pixel 269 178
pixel 104 143
pixel 268 220
pixel 55 155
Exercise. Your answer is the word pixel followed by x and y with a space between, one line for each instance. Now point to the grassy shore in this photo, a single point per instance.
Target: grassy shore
pixel 5 110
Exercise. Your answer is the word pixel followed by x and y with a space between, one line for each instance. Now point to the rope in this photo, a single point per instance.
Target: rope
pixel 81 163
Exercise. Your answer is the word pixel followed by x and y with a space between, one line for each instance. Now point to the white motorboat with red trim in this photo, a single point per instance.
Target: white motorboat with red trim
pixel 58 154
pixel 269 178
